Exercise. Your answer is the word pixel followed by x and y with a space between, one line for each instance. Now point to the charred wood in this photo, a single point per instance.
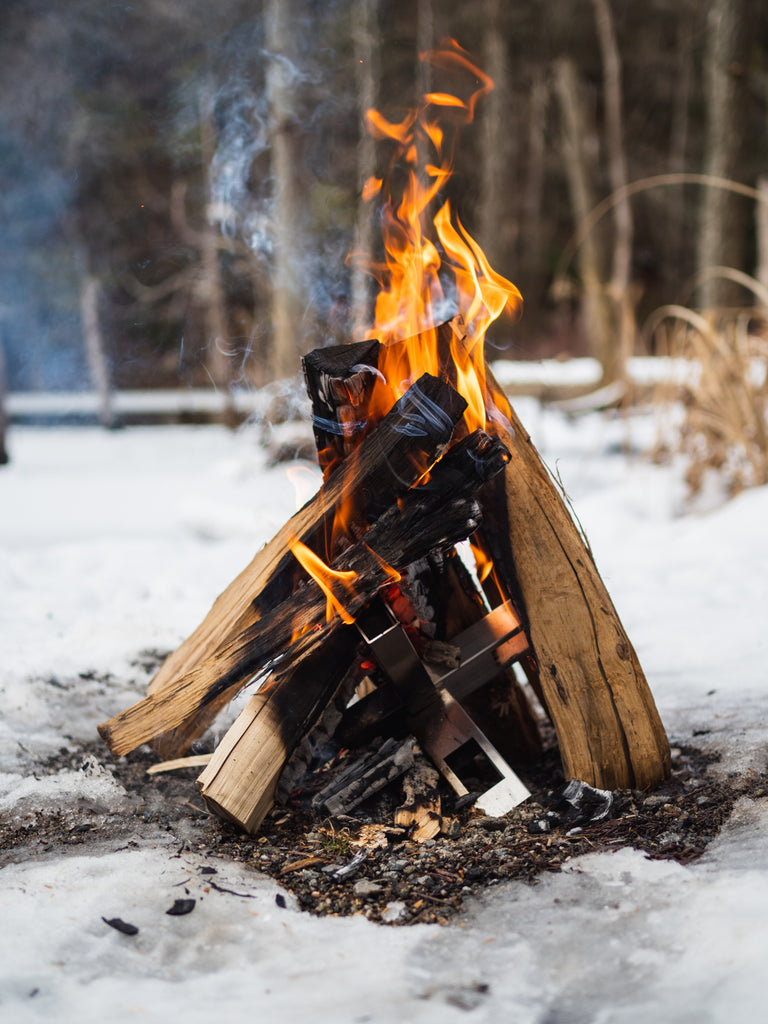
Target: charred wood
pixel 391 459
pixel 339 380
pixel 424 520
pixel 239 781
pixel 366 776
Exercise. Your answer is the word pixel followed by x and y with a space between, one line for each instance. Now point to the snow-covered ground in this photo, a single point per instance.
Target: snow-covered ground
pixel 116 543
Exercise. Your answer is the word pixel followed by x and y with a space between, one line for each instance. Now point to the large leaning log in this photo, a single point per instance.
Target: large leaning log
pixel 608 728
pixel 391 459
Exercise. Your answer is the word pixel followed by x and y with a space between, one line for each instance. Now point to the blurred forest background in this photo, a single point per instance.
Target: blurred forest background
pixel 180 180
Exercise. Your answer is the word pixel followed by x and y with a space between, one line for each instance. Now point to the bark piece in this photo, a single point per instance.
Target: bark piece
pixel 422 808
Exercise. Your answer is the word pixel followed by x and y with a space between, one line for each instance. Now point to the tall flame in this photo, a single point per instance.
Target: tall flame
pixel 432 269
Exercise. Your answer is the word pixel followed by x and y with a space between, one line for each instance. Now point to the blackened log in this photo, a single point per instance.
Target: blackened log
pixel 391 459
pixel 240 780
pixel 339 380
pixel 425 519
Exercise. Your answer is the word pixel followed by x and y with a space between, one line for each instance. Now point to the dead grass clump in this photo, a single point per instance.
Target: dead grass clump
pixel 724 396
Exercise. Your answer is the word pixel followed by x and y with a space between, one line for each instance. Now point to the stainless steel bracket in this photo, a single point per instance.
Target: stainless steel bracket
pixel 435 716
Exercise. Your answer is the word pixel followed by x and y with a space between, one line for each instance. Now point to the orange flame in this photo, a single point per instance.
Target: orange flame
pixel 483 563
pixel 425 280
pixel 329 580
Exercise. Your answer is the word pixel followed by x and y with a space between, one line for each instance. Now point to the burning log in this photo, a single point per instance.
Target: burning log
pixel 341 381
pixel 430 517
pixel 390 459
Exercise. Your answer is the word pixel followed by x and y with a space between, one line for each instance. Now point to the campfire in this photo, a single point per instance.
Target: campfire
pixel 366 630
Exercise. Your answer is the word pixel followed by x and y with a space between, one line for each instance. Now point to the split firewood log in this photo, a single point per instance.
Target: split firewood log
pixel 608 728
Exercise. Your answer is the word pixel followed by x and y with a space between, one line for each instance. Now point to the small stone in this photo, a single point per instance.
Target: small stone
pixel 654 801
pixel 365 887
pixel 393 912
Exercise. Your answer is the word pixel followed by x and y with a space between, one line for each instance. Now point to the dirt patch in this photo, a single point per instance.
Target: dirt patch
pixel 361 864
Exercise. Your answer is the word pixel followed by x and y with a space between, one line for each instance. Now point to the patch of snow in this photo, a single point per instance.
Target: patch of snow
pixel 509 372
pixel 91 786
pixel 114 544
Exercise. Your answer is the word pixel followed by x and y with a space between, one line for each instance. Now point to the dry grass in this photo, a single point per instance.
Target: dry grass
pixel 725 395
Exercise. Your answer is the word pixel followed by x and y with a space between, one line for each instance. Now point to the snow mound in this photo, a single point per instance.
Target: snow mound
pixel 91 786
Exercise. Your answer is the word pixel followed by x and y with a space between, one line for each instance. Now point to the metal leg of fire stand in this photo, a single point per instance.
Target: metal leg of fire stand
pixel 435 717
pixel 487 647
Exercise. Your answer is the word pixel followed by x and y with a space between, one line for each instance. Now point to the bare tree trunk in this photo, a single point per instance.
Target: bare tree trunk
pixel 678 143
pixel 761 217
pixel 530 236
pixel 425 40
pixel 218 352
pixel 364 34
pixel 621 275
pixel 3 413
pixel 723 216
pixel 576 134
pixel 94 348
pixel 496 163
pixel 287 302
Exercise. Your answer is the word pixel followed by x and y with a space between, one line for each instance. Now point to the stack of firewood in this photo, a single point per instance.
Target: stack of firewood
pixel 359 619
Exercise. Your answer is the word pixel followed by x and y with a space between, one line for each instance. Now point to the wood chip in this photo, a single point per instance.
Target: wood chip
pixel 299 865
pixel 194 761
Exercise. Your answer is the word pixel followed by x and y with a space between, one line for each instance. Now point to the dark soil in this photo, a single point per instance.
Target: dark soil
pixel 396 880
